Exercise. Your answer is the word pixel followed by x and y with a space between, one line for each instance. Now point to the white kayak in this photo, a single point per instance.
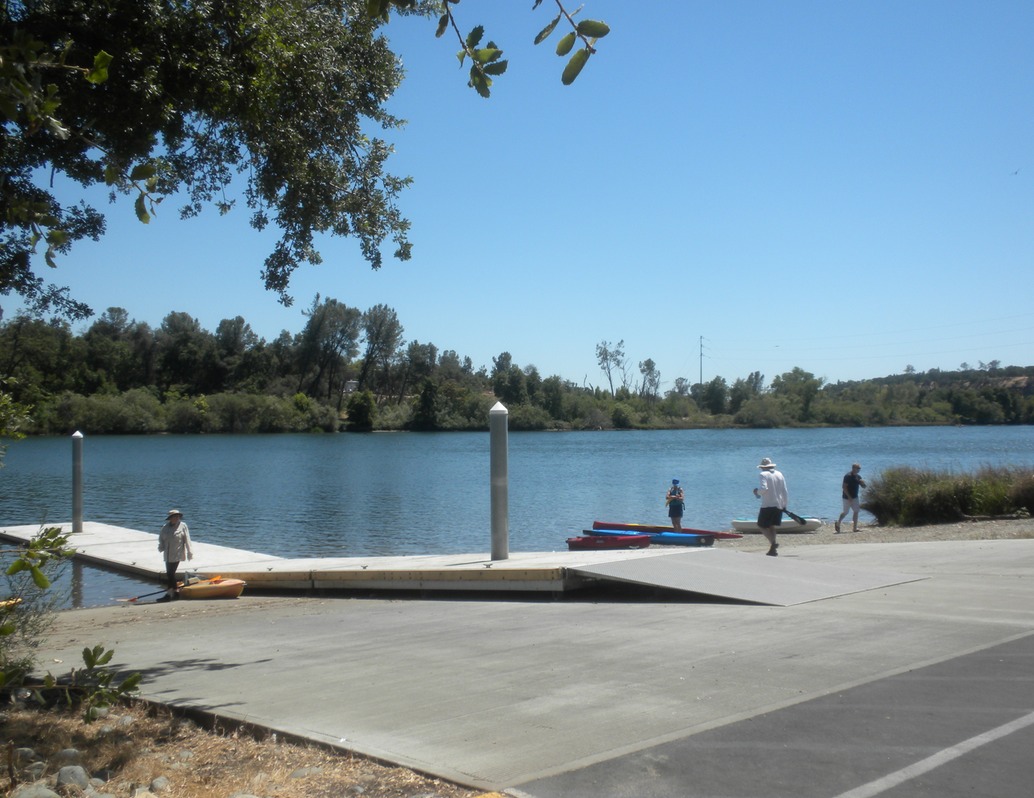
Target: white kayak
pixel 749 525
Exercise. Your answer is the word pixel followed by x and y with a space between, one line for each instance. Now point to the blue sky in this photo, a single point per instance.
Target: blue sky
pixel 728 187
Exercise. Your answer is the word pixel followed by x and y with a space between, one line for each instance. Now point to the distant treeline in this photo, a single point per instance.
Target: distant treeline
pixel 351 370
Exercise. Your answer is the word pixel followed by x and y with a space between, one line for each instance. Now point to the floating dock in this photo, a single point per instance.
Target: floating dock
pixel 711 571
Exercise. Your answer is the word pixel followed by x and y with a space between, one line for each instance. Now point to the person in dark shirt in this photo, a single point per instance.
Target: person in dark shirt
pixel 676 501
pixel 849 489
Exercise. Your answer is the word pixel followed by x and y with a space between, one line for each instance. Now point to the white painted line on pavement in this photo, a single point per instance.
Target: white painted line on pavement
pixel 892 780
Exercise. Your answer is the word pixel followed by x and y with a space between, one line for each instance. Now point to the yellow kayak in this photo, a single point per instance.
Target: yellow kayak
pixel 214 588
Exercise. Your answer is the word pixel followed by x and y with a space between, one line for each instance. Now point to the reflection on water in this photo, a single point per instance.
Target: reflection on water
pixel 406 493
pixel 75 585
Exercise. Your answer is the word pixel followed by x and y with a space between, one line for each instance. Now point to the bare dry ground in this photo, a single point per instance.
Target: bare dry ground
pixel 201 763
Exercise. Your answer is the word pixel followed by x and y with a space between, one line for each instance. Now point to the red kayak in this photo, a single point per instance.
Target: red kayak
pixel 595 542
pixel 651 529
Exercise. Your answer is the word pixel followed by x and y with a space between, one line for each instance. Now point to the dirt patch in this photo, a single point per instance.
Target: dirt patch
pixel 136 744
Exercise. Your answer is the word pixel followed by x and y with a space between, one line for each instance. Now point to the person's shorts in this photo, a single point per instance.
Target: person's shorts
pixel 769 517
pixel 852 504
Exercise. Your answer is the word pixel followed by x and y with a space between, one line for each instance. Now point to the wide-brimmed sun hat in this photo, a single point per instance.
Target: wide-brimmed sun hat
pixel 171 513
pixel 674 482
pixel 766 463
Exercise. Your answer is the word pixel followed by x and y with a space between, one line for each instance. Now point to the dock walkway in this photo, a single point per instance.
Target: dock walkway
pixel 705 570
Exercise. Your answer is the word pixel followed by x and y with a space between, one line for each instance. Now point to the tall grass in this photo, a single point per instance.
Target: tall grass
pixel 912 496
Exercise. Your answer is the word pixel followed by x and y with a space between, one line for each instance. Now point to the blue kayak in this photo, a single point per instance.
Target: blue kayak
pixel 663 538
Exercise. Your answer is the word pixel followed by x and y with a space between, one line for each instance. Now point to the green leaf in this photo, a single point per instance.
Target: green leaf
pixel 378 8
pixel 498 68
pixel 485 55
pixel 475 36
pixel 443 25
pixel 142 171
pixel 39 578
pixel 592 29
pixel 57 130
pixel 8 628
pixel 574 66
pixel 99 73
pixel 105 657
pixel 56 238
pixel 546 31
pixel 480 83
pixel 111 175
pixel 563 47
pixel 141 210
pixel 8 109
pixel 17 567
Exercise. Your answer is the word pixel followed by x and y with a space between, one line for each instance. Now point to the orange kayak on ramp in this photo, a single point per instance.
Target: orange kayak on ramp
pixel 216 588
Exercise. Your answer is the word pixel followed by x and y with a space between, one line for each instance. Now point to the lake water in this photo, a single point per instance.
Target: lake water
pixel 408 493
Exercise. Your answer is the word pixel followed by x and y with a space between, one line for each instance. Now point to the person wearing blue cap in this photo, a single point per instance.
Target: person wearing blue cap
pixel 676 501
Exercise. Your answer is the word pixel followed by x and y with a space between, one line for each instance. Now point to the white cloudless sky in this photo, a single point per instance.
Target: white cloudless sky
pixel 728 187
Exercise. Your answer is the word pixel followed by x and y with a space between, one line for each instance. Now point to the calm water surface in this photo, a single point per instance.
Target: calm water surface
pixel 405 493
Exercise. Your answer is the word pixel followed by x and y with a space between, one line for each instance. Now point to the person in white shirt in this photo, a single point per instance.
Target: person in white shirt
pixel 774 498
pixel 174 543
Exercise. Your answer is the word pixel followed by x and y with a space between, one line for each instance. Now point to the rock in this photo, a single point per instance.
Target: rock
pixel 160 784
pixel 97 713
pixel 66 756
pixel 74 775
pixel 301 773
pixel 34 791
pixel 34 771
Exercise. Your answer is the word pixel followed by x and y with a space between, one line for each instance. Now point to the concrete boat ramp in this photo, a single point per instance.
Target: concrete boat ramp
pixel 711 571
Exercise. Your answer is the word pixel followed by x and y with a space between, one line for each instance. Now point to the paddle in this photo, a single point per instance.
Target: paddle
pixel 155 593
pixel 795 517
pixel 145 595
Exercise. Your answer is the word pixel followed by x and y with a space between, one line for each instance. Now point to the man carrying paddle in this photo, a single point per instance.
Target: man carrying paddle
pixel 772 492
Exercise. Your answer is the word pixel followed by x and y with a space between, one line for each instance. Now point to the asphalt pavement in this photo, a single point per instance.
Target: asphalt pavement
pixel 920 688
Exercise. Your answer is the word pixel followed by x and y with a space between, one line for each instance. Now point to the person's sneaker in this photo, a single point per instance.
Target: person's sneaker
pixel 836 527
pixel 773 553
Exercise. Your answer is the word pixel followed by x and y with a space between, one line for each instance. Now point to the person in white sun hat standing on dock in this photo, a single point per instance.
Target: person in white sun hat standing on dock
pixel 174 543
pixel 772 492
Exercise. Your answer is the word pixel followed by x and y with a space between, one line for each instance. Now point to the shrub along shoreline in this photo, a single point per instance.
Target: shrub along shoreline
pixel 906 496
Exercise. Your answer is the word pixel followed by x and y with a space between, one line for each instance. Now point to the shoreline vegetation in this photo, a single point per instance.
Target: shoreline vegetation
pixel 349 370
pixel 906 496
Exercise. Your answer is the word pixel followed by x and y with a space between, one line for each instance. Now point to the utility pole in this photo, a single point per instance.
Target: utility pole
pixel 701 360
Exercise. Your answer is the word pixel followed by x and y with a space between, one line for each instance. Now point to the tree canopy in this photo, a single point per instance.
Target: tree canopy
pixel 280 103
pixel 153 98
